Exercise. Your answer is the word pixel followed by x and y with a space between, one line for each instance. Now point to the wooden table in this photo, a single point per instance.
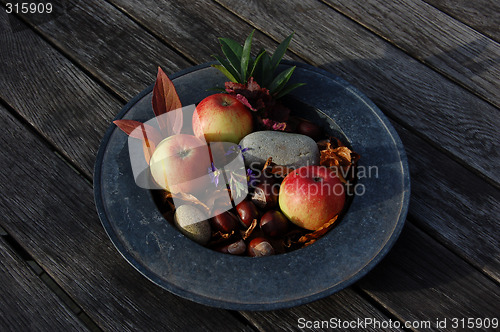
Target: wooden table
pixel 432 66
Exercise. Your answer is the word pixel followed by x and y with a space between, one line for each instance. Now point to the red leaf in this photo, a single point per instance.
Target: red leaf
pixel 146 132
pixel 165 99
pixel 148 147
pixel 149 135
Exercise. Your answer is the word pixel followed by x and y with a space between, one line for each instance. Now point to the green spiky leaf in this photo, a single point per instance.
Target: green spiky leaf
pixel 280 52
pixel 234 45
pixel 239 65
pixel 287 89
pixel 233 74
pixel 245 57
pixel 255 64
pixel 226 72
pixel 281 80
pixel 266 74
pixel 233 59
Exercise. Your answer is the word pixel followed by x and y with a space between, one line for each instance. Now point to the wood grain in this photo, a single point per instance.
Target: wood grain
pixel 449 46
pixel 194 26
pixel 453 205
pixel 27 304
pixel 341 307
pixel 50 211
pixel 107 44
pixel 123 56
pixel 66 106
pixel 419 280
pixel 442 112
pixel 482 15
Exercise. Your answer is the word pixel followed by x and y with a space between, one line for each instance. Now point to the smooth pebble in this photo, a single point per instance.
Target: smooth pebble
pixel 286 149
pixel 193 223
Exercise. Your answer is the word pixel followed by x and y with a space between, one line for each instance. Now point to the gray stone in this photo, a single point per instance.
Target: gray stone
pixel 286 149
pixel 193 223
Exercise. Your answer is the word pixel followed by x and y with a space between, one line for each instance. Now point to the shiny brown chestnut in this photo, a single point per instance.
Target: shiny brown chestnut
pixel 274 223
pixel 247 212
pixel 310 129
pixel 260 247
pixel 265 195
pixel 236 248
pixel 224 221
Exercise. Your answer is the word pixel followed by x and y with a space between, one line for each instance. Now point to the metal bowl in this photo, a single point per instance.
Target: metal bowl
pixel 367 231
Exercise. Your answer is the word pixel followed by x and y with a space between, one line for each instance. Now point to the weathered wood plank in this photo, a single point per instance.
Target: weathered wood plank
pixel 345 306
pixel 27 304
pixel 482 15
pixel 453 205
pixel 439 110
pixel 193 26
pixel 107 44
pixel 50 211
pixel 420 281
pixel 122 55
pixel 66 106
pixel 443 43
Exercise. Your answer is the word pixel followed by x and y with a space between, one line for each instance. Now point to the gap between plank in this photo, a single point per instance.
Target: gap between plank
pixel 52 147
pixel 73 61
pixel 65 298
pixel 177 51
pixel 242 319
pixel 365 296
pixel 461 21
pixel 436 69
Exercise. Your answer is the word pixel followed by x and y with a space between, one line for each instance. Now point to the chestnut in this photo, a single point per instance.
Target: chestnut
pixel 265 195
pixel 236 248
pixel 247 212
pixel 274 223
pixel 224 221
pixel 309 129
pixel 260 247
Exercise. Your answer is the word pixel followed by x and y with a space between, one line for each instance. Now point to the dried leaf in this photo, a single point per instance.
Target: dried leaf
pixel 249 230
pixel 319 232
pixel 224 236
pixel 187 198
pixel 336 156
pixel 269 162
pixel 165 99
pixel 218 194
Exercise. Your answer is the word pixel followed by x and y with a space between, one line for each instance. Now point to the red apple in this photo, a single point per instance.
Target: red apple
pixel 311 195
pixel 222 118
pixel 180 163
